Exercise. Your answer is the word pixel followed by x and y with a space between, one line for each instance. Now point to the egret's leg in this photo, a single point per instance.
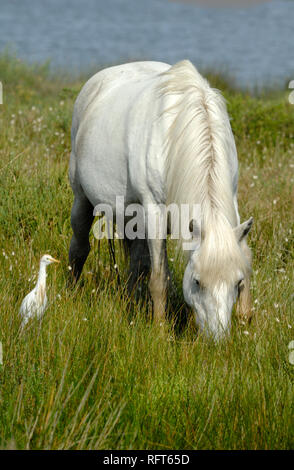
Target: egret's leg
pixel 81 221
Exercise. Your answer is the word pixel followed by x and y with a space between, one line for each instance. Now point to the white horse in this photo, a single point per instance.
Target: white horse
pixel 159 134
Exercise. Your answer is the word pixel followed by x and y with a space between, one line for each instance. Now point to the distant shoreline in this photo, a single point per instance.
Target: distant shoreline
pixel 68 75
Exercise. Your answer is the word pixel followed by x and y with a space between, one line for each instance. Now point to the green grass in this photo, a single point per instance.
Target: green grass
pixel 96 373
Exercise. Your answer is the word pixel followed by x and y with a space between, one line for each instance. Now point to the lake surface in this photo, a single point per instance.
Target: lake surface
pixel 254 44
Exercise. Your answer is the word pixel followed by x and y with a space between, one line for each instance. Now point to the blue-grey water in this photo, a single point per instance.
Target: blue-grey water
pixel 254 44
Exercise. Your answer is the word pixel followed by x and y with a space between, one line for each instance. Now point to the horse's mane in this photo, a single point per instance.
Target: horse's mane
pixel 199 141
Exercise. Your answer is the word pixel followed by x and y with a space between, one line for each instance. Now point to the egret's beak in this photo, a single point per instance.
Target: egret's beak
pixel 55 260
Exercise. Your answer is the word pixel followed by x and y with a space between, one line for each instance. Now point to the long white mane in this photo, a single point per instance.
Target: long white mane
pixel 199 142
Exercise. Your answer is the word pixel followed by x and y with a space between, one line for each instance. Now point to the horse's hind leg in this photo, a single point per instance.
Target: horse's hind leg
pixel 81 221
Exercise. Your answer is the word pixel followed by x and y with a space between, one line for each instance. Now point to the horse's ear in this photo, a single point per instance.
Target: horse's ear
pixel 242 230
pixel 194 229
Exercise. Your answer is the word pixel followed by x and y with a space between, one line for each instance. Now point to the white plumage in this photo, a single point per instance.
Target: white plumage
pixel 34 304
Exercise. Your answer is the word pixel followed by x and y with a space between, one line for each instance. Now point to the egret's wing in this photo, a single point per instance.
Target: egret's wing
pixel 31 306
pixel 41 309
pixel 28 306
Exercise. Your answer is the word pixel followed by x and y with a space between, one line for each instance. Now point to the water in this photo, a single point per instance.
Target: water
pixel 254 44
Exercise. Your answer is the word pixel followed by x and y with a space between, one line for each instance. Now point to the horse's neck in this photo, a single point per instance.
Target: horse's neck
pixel 217 214
pixel 200 143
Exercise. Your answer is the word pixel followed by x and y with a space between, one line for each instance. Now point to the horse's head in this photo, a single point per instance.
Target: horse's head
pixel 214 276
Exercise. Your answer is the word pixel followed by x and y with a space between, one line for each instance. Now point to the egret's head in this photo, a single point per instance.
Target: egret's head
pixel 47 259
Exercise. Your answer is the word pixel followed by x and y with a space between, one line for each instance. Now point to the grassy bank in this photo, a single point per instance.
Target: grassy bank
pixel 96 373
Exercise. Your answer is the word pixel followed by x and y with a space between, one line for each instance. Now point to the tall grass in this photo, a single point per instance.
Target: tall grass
pixel 95 373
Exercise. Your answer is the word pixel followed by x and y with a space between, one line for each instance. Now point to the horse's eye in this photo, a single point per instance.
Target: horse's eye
pixel 196 282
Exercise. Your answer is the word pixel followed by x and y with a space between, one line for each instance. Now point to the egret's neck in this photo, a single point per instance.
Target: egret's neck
pixel 42 275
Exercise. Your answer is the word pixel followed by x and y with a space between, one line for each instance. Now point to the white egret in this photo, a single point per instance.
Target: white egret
pixel 34 304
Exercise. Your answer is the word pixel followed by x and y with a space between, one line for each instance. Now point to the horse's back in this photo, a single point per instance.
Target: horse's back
pixel 122 123
pixel 107 79
pixel 113 105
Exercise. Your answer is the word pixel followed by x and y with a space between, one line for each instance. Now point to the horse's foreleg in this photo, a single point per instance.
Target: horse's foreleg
pixel 81 221
pixel 158 278
pixel 244 311
pixel 139 262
